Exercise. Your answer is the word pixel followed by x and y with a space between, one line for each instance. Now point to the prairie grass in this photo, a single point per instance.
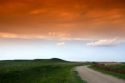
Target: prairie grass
pixel 38 71
pixel 117 70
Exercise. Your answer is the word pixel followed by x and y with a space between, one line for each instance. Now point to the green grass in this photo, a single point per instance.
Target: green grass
pixel 114 70
pixel 76 78
pixel 38 71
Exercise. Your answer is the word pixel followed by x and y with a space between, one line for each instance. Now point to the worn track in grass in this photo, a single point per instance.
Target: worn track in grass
pixel 92 76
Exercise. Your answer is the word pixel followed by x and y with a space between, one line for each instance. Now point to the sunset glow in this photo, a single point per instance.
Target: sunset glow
pixel 61 26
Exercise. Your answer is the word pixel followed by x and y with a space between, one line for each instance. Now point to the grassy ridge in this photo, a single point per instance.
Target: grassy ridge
pixel 114 70
pixel 38 71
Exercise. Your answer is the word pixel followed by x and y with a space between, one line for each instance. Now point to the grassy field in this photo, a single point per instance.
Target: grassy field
pixel 117 70
pixel 38 71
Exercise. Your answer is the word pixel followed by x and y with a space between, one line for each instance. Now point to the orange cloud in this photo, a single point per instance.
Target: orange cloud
pixel 50 36
pixel 82 19
pixel 10 35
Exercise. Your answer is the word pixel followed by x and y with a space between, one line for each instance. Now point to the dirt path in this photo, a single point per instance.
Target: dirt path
pixel 92 76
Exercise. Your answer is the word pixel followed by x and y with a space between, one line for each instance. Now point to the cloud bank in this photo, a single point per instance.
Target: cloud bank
pixel 104 43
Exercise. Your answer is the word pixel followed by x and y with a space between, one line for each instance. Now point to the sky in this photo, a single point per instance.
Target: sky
pixel 76 30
